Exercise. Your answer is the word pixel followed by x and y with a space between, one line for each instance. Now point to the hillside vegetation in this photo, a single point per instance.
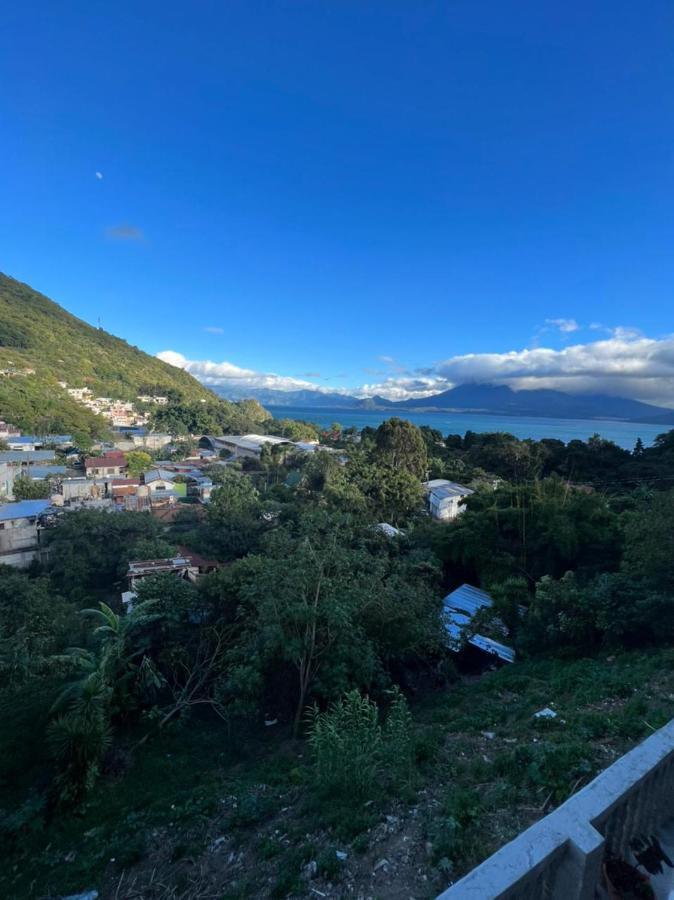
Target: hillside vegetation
pixel 36 333
pixel 293 724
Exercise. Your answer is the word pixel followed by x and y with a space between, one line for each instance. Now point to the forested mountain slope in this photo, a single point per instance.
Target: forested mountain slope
pixel 38 334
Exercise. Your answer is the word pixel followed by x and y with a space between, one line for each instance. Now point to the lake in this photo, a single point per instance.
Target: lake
pixel 624 434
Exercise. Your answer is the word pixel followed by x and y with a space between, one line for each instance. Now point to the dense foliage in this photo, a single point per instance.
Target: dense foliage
pixel 316 620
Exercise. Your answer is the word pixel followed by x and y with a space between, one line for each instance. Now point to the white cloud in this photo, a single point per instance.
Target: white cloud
pixel 99 176
pixel 214 329
pixel 226 374
pixel 625 364
pixel 566 326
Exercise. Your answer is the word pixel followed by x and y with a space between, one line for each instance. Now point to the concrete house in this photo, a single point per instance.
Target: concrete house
pixel 445 498
pixel 75 489
pixel 20 532
pixel 112 463
pixel 162 488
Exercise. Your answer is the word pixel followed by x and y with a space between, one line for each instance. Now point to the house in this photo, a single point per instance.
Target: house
pixel 162 488
pixel 459 608
pixel 179 566
pixel 20 532
pixel 15 463
pixel 153 440
pixel 188 565
pixel 121 488
pixel 74 490
pixel 152 398
pixel 34 441
pixel 8 431
pixel 161 481
pixel 111 463
pixel 445 498
pixel 199 486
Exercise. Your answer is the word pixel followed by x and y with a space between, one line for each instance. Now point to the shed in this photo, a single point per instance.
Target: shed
pixel 459 608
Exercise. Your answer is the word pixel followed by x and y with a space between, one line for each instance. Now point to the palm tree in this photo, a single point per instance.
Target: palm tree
pixel 81 732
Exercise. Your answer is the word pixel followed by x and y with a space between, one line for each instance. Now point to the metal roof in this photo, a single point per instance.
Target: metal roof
pixel 459 607
pixel 26 456
pixel 45 471
pixel 24 509
pixel 40 439
pixel 447 491
pixel 507 654
pixel 159 475
pixel 467 599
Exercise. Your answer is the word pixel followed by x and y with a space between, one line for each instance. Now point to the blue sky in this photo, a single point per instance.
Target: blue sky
pixel 368 192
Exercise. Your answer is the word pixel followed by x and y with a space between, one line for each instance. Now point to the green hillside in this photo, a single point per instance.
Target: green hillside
pixel 36 333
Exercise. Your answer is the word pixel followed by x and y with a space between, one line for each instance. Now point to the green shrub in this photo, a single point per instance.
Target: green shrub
pixel 355 756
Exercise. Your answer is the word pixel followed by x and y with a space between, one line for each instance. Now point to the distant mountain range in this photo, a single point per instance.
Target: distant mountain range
pixel 489 399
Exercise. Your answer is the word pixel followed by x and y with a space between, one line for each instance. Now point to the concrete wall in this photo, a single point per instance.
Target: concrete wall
pixel 561 856
pixel 20 545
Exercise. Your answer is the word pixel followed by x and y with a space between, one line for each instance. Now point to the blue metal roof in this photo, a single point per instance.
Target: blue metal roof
pixel 468 599
pixel 26 456
pixel 41 439
pixel 459 607
pixel 24 509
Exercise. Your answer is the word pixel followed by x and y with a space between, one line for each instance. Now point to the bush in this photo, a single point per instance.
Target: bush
pixel 354 755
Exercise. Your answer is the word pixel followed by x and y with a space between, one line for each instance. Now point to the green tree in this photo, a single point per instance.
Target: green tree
pixel 89 549
pixel 400 445
pixel 34 622
pixel 235 496
pixel 138 461
pixel 649 542
pixel 26 489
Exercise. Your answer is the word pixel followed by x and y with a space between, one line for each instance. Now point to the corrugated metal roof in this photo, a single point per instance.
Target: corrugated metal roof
pixel 507 654
pixel 159 475
pixel 24 509
pixel 41 439
pixel 437 483
pixel 459 608
pixel 468 599
pixel 26 456
pixel 446 493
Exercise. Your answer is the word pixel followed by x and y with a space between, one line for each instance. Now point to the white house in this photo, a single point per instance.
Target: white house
pixel 445 498
pixel 161 486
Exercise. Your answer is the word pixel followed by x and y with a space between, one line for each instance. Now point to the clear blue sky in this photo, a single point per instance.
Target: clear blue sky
pixel 332 182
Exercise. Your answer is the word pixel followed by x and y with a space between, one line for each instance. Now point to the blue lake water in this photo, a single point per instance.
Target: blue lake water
pixel 624 434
